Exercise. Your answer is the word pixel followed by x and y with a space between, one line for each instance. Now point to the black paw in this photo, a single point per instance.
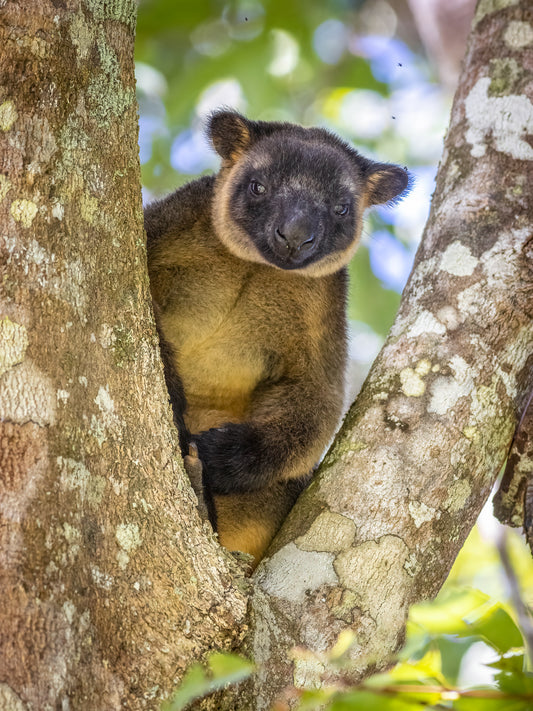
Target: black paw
pixel 235 458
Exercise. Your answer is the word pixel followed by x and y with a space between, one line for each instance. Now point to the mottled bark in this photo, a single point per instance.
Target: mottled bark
pixel 419 451
pixel 109 582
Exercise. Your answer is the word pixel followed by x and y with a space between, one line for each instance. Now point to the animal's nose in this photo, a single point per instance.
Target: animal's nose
pixel 296 236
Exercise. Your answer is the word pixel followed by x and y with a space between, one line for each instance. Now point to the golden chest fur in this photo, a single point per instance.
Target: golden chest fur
pixel 231 325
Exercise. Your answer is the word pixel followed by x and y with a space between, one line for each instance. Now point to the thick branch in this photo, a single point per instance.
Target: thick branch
pixel 419 451
pixel 109 584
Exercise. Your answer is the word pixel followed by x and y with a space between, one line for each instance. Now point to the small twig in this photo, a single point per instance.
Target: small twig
pixel 446 693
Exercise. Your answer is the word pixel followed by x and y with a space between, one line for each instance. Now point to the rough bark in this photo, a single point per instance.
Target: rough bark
pixel 419 451
pixel 109 582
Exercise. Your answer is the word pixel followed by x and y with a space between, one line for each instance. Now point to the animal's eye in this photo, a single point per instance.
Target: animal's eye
pixel 256 188
pixel 340 210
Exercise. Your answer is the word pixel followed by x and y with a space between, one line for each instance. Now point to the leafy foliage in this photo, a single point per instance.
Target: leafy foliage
pixel 449 643
pixel 222 669
pixel 464 652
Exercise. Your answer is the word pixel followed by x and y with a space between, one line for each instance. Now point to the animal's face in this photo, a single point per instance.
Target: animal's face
pixel 296 200
pixel 293 198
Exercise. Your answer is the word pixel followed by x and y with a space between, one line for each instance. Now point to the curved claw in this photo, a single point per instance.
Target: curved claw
pixel 194 469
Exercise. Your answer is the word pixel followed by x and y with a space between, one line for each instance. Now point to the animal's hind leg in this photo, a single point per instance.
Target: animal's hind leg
pixel 248 522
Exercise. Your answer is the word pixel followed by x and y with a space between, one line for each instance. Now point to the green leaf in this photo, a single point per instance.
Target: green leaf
pixel 194 684
pixel 446 614
pixel 510 663
pixel 497 628
pixel 224 668
pixel 427 668
pixel 452 650
pixel 517 683
pixel 365 701
pixel 314 699
pixel 228 668
pixel 417 643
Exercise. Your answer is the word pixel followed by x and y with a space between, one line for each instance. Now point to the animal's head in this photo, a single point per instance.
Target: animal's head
pixel 294 197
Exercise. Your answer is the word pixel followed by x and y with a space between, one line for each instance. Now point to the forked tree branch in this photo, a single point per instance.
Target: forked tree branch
pixel 418 453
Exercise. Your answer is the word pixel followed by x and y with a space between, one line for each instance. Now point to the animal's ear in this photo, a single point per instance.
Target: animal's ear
pixel 230 133
pixel 386 182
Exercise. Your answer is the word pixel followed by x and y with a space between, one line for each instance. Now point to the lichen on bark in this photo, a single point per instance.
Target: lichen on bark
pixel 109 581
pixel 418 453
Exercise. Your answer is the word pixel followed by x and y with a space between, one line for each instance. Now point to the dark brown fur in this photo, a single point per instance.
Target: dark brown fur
pixel 253 327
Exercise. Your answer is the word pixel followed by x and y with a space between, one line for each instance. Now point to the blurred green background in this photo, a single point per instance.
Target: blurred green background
pixel 361 69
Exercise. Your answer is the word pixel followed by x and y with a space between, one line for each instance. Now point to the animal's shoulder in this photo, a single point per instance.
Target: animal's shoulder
pixel 187 208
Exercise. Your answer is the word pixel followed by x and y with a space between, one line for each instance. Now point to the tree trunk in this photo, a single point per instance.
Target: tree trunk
pixel 110 583
pixel 419 451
